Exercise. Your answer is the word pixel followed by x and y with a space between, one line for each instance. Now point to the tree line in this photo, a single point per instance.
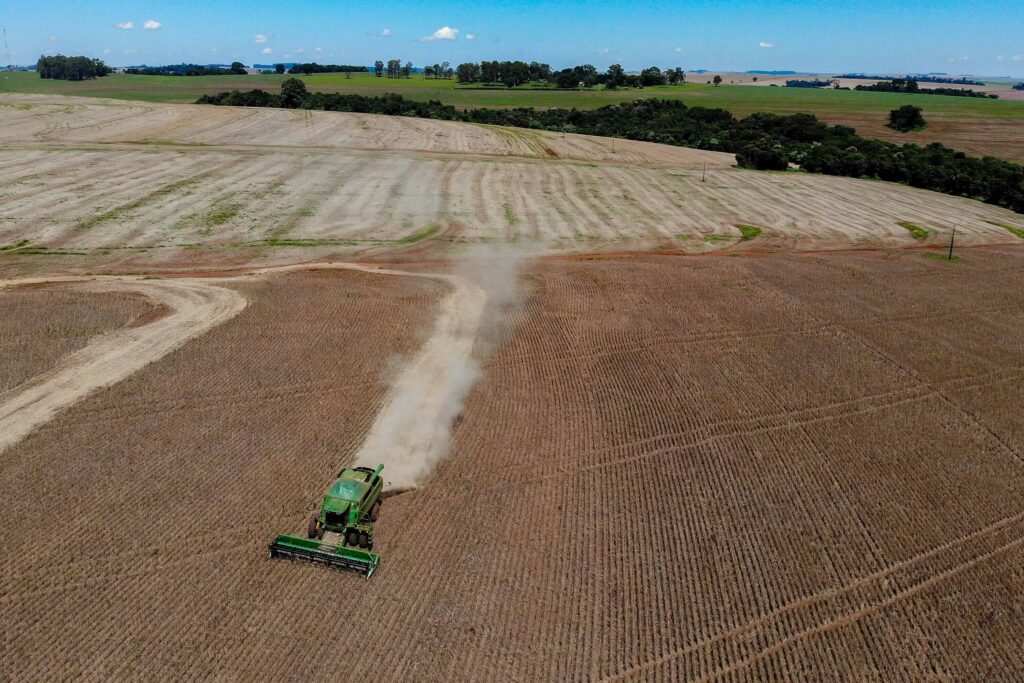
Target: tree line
pixel 816 83
pixel 236 69
pixel 911 86
pixel 514 73
pixel 63 68
pixel 760 141
pixel 919 79
pixel 314 68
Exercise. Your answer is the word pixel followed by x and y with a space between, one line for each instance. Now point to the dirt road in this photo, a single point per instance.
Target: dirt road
pixel 193 308
pixel 410 434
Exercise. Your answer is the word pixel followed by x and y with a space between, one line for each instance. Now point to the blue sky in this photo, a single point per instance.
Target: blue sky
pixel 984 37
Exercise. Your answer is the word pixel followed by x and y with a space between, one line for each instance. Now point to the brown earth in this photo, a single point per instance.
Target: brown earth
pixel 1002 138
pixel 42 324
pixel 769 466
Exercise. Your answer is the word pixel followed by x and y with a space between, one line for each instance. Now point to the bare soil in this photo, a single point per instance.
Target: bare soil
pixel 765 466
pixel 43 324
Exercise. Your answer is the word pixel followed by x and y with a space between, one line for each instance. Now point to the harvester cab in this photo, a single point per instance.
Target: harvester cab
pixel 341 533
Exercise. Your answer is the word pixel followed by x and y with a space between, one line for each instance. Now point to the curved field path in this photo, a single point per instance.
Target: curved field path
pixel 192 306
pixel 410 434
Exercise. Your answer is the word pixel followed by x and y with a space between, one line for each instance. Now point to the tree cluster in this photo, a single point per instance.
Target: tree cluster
pixel 314 68
pixel 1019 86
pixel 63 68
pixel 442 70
pixel 911 86
pixel 816 83
pixel 907 118
pixel 236 68
pixel 919 79
pixel 761 141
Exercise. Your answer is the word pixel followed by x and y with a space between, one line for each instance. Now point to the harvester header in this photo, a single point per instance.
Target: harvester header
pixel 341 533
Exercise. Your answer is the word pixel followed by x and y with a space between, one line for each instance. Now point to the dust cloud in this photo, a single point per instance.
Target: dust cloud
pixel 412 432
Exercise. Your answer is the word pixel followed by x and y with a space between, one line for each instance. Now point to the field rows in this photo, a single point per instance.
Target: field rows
pixel 42 325
pixel 715 468
pixel 160 205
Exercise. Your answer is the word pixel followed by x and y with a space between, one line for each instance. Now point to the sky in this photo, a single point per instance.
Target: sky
pixel 985 37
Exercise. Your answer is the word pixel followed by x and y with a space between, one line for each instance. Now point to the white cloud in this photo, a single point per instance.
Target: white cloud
pixel 1018 58
pixel 766 46
pixel 443 33
pixel 1000 58
pixel 604 51
pixel 299 50
pixel 318 49
pixel 129 50
pixel 106 50
pixel 950 60
pixel 125 26
pixel 52 39
pixel 259 39
pixel 385 33
pixel 267 51
pixel 470 36
pixel 678 49
pixel 214 50
pixel 152 25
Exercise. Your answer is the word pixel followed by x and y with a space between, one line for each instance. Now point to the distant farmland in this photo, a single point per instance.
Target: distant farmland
pixel 977 126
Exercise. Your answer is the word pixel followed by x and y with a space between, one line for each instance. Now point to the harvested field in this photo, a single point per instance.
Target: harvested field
pixel 182 310
pixel 67 121
pixel 84 186
pixel 43 324
pixel 768 466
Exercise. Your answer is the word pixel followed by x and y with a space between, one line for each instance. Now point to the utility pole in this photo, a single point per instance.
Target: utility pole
pixel 704 173
pixel 951 238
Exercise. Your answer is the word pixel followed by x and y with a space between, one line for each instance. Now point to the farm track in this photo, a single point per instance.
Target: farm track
pixel 720 468
pixel 192 309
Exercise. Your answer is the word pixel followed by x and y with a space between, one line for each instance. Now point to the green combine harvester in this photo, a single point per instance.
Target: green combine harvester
pixel 348 512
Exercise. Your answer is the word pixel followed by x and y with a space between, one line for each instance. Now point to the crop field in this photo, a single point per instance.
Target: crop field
pixel 141 186
pixel 976 126
pixel 747 467
pixel 41 325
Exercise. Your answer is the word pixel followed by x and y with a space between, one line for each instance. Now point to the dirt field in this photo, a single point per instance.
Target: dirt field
pixel 89 184
pixel 42 324
pixel 758 467
pixel 182 309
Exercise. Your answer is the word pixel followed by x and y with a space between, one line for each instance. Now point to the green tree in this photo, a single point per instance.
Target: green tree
pixel 279 68
pixel 378 68
pixel 907 118
pixel 238 68
pixel 615 76
pixel 467 73
pixel 718 80
pixel 293 93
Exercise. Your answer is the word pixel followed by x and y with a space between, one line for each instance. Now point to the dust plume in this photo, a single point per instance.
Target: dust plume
pixel 412 432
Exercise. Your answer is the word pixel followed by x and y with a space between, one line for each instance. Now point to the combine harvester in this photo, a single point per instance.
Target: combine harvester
pixel 348 512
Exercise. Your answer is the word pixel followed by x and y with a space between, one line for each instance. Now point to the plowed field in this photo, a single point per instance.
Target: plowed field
pixel 762 467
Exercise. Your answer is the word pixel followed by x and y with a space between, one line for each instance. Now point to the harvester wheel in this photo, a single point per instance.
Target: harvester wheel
pixel 312 531
pixel 364 539
pixel 351 537
pixel 375 511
